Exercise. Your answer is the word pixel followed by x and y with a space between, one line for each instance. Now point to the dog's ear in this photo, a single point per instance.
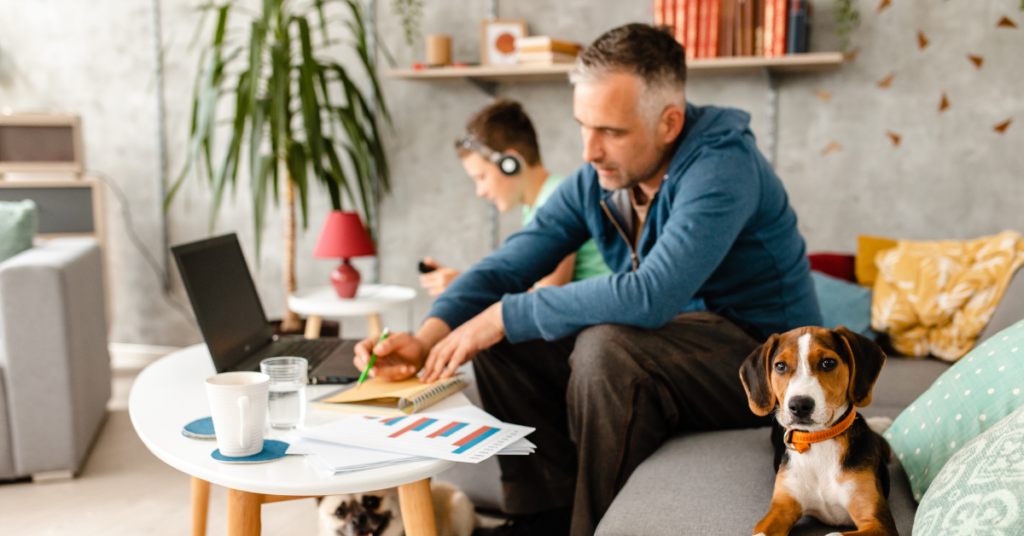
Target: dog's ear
pixel 866 361
pixel 755 374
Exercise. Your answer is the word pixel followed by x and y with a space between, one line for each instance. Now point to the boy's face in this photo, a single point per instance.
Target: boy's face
pixel 504 191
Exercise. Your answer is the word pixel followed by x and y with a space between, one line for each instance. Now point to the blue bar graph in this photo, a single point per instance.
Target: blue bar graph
pixel 470 444
pixel 425 424
pixel 454 429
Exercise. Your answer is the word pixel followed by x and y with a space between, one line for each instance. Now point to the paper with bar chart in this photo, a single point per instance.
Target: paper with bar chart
pixel 431 435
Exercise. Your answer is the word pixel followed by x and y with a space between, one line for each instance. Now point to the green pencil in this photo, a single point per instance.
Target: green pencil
pixel 373 359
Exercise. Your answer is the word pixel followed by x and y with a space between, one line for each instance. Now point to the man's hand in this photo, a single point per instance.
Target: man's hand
pixel 458 347
pixel 398 357
pixel 435 282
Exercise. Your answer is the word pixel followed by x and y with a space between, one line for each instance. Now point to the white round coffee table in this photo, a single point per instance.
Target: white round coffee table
pixel 170 393
pixel 370 300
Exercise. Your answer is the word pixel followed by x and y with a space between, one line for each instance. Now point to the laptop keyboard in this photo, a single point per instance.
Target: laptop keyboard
pixel 314 350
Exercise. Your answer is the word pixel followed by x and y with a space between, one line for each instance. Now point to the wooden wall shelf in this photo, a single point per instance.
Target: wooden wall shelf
pixel 792 63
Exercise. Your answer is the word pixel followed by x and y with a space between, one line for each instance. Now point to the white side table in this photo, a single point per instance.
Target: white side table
pixel 170 393
pixel 370 300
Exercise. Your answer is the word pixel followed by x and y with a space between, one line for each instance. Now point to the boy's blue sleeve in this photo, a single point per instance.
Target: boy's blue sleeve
pixel 558 229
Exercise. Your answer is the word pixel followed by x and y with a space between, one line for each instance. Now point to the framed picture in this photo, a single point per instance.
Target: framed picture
pixel 499 41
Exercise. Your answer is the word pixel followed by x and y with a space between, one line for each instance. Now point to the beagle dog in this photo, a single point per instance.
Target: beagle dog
pixel 830 464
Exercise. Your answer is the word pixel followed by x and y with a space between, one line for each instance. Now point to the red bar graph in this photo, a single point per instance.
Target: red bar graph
pixel 443 431
pixel 410 427
pixel 472 436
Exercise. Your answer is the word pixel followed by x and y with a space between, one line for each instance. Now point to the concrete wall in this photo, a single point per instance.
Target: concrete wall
pixel 951 176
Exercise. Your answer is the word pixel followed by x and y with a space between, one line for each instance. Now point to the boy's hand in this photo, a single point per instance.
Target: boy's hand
pixel 435 282
pixel 398 357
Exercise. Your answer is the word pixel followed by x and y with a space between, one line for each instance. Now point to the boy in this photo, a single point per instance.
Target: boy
pixel 503 130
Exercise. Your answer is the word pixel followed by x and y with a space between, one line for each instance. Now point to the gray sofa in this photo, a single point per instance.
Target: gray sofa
pixel 720 483
pixel 54 365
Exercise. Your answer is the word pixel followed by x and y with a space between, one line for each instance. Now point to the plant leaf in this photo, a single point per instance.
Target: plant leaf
pixel 297 164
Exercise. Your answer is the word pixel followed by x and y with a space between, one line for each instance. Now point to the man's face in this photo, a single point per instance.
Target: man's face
pixel 617 140
pixel 504 191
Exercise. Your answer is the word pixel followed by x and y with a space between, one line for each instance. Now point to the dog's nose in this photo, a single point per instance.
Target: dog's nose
pixel 801 406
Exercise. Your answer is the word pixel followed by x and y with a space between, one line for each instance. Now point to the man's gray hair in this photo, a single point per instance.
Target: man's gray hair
pixel 647 52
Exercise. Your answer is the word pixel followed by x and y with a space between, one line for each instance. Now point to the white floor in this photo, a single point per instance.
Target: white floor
pixel 124 489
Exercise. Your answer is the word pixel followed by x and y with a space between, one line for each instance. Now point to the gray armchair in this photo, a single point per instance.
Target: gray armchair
pixel 54 365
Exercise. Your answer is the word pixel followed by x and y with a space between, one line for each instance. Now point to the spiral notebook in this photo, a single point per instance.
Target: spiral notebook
pixel 392 398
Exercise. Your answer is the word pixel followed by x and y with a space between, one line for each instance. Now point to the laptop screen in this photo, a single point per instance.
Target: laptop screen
pixel 224 298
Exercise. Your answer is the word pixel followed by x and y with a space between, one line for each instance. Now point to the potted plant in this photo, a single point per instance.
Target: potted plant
pixel 294 112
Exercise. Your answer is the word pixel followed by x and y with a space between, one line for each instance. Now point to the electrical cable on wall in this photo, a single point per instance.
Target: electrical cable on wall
pixel 161 136
pixel 136 241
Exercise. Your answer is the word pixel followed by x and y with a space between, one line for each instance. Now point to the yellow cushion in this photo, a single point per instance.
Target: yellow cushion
pixel 864 263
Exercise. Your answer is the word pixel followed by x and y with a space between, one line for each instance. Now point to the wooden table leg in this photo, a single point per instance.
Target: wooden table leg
pixel 244 513
pixel 417 508
pixel 313 323
pixel 200 505
pixel 373 326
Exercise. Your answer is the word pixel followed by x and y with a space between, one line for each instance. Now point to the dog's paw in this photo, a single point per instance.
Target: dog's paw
pixel 759 534
pixel 834 534
pixel 878 425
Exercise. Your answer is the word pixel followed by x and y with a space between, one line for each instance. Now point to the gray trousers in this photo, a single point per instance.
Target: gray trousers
pixel 605 400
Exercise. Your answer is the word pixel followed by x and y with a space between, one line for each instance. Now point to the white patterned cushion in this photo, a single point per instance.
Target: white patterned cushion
pixel 980 491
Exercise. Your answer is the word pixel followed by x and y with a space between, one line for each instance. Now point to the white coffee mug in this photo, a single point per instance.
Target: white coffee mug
pixel 238 403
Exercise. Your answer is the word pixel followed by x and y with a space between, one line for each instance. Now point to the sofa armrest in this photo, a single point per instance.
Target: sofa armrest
pixel 1010 309
pixel 54 355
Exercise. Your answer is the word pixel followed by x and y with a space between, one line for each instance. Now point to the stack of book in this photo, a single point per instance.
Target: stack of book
pixel 725 28
pixel 543 50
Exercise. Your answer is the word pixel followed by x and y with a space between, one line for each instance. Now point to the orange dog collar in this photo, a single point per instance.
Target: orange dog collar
pixel 801 441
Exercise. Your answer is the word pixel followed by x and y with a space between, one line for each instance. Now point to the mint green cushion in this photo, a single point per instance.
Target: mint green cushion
pixel 975 393
pixel 981 488
pixel 18 224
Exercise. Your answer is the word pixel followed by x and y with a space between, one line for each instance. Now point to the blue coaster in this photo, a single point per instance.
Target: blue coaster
pixel 272 450
pixel 199 429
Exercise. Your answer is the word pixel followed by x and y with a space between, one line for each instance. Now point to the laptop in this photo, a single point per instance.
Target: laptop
pixel 230 315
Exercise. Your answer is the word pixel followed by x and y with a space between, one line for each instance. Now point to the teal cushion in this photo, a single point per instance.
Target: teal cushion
pixel 18 223
pixel 843 304
pixel 975 393
pixel 981 488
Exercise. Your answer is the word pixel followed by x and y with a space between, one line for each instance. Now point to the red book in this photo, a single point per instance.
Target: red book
pixel 727 22
pixel 659 12
pixel 769 28
pixel 703 33
pixel 692 25
pixel 680 27
pixel 781 17
pixel 670 12
pixel 714 7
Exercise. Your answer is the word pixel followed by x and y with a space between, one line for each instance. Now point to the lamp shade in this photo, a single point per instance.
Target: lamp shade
pixel 342 237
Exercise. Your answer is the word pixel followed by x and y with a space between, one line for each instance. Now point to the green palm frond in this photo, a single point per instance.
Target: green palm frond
pixel 301 113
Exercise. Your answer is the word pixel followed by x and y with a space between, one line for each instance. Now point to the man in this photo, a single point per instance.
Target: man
pixel 708 261
pixel 503 130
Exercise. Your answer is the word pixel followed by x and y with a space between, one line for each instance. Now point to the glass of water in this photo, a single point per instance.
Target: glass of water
pixel 287 405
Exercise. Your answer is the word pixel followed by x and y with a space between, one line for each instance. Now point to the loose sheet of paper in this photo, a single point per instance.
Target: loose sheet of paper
pixel 441 435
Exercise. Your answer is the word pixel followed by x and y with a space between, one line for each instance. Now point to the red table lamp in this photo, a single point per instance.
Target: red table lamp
pixel 343 236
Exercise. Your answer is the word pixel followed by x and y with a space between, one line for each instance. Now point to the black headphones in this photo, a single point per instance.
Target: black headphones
pixel 510 164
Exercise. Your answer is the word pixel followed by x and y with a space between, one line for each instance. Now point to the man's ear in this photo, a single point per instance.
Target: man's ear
pixel 866 361
pixel 755 373
pixel 671 124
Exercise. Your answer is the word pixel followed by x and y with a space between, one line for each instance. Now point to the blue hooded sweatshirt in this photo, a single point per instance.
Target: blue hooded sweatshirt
pixel 719 236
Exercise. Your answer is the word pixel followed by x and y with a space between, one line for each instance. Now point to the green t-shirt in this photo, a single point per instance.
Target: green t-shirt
pixel 589 262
